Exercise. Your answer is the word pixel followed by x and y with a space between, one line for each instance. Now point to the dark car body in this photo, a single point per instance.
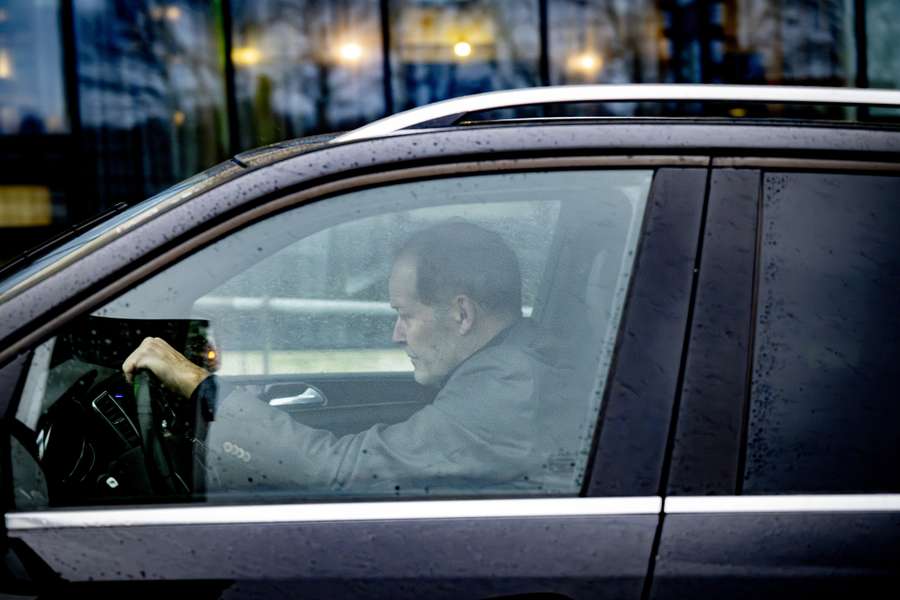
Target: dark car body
pixel 748 431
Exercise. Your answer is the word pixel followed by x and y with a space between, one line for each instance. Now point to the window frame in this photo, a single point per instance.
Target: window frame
pixel 689 472
pixel 627 483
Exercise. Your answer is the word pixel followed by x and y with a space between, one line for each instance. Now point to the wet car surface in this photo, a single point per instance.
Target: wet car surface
pixel 722 292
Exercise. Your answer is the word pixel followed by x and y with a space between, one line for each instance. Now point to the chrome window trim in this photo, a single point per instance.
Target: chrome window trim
pixel 334 512
pixel 447 509
pixel 785 503
pixel 621 93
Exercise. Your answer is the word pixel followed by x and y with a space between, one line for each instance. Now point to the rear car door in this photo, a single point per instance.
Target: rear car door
pixel 783 480
pixel 285 299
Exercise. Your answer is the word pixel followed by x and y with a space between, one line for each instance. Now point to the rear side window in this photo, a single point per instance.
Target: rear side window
pixel 825 394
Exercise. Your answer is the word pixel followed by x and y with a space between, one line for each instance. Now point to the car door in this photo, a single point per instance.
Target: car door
pixel 606 245
pixel 783 480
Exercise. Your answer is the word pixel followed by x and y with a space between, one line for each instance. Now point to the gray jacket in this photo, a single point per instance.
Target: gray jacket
pixel 486 430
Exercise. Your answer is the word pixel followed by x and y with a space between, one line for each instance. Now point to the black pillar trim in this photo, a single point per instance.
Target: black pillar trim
pixel 74 188
pixel 230 86
pixel 544 33
pixel 862 52
pixel 386 73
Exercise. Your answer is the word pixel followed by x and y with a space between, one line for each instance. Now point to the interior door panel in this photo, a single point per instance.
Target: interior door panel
pixel 350 402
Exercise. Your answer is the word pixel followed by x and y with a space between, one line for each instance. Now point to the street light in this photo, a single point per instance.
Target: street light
pixel 587 63
pixel 170 12
pixel 462 49
pixel 246 56
pixel 350 52
pixel 6 64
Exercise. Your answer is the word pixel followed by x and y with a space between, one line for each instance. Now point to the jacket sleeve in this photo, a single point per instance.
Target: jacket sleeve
pixel 479 432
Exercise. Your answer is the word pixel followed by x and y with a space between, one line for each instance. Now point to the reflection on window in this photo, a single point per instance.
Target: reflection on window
pixel 603 42
pixel 442 50
pixel 304 67
pixel 427 339
pixel 824 416
pixel 32 99
pixel 151 93
pixel 792 41
pixel 882 29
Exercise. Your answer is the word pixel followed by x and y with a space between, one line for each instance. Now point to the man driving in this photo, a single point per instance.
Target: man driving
pixel 457 291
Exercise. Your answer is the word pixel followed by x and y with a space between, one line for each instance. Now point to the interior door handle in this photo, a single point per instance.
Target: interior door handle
pixel 311 396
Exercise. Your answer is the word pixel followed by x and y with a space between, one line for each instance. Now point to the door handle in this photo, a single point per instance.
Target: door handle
pixel 311 396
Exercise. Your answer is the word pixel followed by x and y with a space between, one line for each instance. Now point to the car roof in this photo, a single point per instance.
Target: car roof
pixel 444 115
pixel 452 111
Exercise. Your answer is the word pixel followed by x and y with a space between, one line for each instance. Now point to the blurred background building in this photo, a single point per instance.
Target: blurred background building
pixel 107 101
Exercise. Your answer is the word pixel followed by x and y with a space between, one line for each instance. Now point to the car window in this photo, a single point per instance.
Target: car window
pixel 824 415
pixel 332 286
pixel 440 338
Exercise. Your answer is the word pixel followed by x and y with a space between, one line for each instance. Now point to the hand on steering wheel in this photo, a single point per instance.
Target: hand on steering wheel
pixel 173 370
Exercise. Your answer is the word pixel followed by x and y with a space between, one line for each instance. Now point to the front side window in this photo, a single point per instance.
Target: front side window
pixel 441 338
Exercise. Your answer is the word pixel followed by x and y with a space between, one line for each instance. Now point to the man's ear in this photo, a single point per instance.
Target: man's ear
pixel 464 314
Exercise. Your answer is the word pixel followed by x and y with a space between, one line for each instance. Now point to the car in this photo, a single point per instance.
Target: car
pixel 721 294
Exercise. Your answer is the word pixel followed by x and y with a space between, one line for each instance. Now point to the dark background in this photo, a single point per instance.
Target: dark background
pixel 107 101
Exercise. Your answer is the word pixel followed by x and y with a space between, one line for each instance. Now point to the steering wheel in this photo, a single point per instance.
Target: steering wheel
pixel 167 446
pixel 109 439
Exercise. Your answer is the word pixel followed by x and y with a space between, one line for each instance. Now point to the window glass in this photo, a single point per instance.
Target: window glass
pixel 440 338
pixel 304 67
pixel 603 42
pixel 882 58
pixel 824 415
pixel 32 99
pixel 346 268
pixel 442 50
pixel 881 32
pixel 151 94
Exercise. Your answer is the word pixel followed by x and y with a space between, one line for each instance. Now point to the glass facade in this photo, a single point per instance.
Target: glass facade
pixel 126 97
pixel 151 94
pixel 32 99
pixel 599 41
pixel 303 67
pixel 445 49
pixel 882 53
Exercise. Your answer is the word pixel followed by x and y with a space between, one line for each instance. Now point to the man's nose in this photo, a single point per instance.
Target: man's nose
pixel 399 336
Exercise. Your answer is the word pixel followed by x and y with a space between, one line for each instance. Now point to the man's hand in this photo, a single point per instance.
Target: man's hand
pixel 171 367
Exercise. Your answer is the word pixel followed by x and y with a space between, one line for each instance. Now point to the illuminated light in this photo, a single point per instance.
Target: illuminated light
pixel 350 52
pixel 462 49
pixel 178 118
pixel 211 355
pixel 6 65
pixel 738 112
pixel 586 62
pixel 173 13
pixel 246 56
pixel 25 206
